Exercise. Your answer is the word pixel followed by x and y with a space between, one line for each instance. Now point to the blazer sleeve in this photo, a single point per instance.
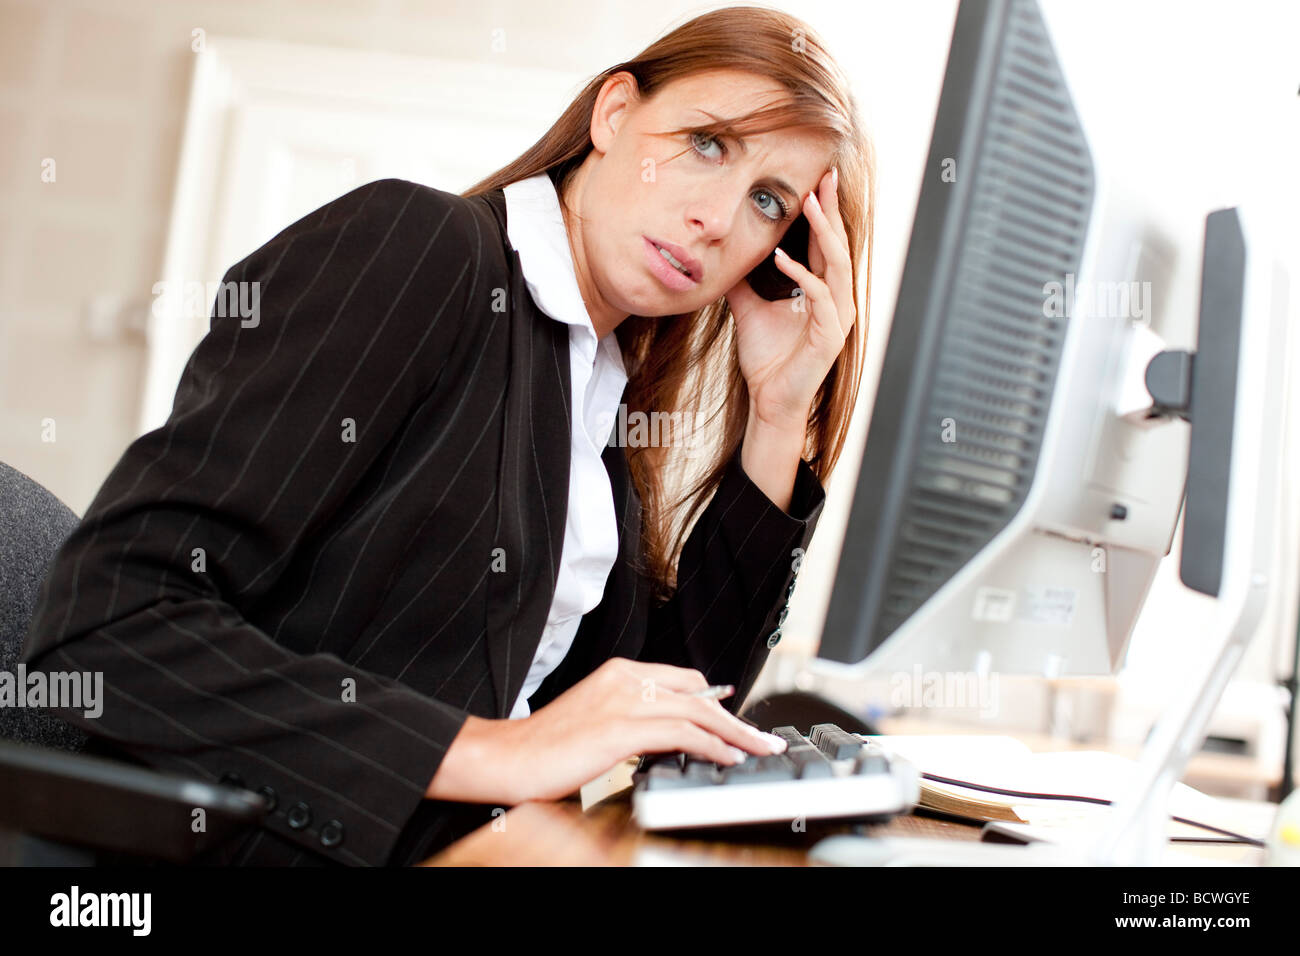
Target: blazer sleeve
pixel 198 519
pixel 734 579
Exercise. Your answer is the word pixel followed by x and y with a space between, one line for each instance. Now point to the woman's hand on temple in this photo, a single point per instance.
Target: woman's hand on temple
pixel 621 709
pixel 787 346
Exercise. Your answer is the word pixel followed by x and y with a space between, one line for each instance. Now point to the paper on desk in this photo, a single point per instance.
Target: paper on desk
pixel 1084 838
pixel 955 755
pixel 614 780
pixel 1009 764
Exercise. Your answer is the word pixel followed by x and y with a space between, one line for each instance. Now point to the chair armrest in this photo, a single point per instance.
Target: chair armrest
pixel 92 802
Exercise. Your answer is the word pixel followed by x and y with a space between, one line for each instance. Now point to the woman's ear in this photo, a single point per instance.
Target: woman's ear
pixel 616 95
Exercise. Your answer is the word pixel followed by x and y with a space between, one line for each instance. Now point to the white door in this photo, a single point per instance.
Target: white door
pixel 276 130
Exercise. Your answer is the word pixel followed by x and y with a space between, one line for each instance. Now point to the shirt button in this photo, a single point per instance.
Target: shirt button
pixel 774 638
pixel 331 834
pixel 780 618
pixel 271 798
pixel 299 816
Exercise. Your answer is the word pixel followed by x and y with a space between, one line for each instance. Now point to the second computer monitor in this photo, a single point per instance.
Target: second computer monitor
pixel 1015 497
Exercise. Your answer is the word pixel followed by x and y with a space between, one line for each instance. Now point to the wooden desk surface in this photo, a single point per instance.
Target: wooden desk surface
pixel 560 834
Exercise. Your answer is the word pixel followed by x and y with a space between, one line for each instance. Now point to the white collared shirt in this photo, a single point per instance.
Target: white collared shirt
pixel 536 229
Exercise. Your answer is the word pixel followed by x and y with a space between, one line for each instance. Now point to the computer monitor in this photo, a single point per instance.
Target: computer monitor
pixel 1027 453
pixel 1036 430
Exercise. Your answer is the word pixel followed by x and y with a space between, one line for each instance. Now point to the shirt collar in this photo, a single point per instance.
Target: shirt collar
pixel 536 229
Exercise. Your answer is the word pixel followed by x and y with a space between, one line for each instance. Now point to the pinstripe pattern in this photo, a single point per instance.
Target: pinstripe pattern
pixel 370 561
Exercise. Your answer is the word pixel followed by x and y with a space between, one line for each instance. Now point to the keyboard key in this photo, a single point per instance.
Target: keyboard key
pixel 757 769
pixel 790 735
pixel 871 759
pixel 810 762
pixel 664 777
pixel 701 772
pixel 833 742
pixel 674 760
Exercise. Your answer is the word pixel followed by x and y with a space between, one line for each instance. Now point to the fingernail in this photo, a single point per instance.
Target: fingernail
pixel 775 742
pixel 835 177
pixel 782 253
pixel 813 198
pixel 738 755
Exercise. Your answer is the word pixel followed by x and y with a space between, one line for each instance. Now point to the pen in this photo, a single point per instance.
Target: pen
pixel 716 692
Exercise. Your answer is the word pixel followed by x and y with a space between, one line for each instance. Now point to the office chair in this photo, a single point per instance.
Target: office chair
pixel 59 805
pixel 33 525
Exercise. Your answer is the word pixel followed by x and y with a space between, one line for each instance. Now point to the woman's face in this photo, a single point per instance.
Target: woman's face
pixel 720 206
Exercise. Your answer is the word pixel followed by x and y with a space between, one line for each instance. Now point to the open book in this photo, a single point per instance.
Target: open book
pixel 1009 764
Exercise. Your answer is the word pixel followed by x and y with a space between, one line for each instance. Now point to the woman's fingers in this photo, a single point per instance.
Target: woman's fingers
pixel 662 690
pixel 822 193
pixel 666 734
pixel 828 227
pixel 654 677
pixel 821 303
pixel 714 718
pixel 830 204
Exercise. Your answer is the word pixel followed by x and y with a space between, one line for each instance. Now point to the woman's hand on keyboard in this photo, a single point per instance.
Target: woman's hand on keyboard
pixel 622 709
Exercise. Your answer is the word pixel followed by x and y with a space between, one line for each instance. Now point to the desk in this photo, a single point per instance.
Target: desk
pixel 560 834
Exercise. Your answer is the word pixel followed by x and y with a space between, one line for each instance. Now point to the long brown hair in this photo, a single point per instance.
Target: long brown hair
pixel 693 363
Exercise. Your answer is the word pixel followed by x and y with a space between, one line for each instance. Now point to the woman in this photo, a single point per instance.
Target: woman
pixel 381 565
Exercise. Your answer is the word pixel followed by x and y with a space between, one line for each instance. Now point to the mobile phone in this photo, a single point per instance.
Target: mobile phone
pixel 770 282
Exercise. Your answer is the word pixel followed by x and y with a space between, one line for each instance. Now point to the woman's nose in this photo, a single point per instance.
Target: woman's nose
pixel 712 214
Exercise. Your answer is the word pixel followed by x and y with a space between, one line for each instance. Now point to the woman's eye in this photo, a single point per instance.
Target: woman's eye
pixel 778 210
pixel 775 213
pixel 706 138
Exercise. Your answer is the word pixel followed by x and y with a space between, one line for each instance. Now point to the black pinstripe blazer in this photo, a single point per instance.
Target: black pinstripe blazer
pixel 295 582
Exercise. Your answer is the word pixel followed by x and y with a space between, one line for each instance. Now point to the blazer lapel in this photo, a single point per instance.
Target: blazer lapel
pixel 532 487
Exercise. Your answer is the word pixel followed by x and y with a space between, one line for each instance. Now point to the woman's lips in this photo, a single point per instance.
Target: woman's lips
pixel 681 255
pixel 666 272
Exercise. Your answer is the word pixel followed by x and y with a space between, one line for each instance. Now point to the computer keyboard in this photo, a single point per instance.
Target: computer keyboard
pixel 829 773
